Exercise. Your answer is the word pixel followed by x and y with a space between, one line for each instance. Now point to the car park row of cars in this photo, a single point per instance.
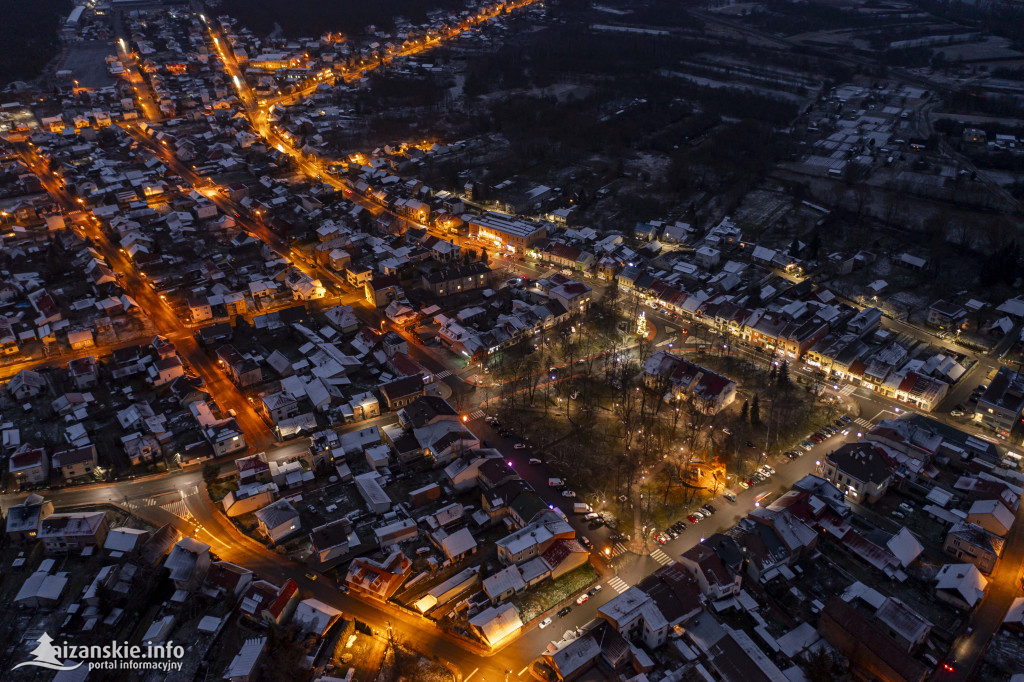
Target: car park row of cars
pixel 840 425
pixel 758 477
pixel 677 528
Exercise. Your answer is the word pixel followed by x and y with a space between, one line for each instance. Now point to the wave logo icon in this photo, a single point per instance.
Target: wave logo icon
pixel 45 656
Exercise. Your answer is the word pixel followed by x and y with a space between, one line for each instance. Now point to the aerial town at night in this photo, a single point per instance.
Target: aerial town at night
pixel 512 340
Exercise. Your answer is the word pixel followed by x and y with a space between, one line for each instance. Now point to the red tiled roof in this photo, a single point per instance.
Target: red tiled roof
pixel 283 597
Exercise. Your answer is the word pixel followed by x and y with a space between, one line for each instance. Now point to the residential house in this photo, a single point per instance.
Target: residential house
pixel 73 463
pixel 495 624
pixel 1001 405
pixel 188 563
pixel 279 406
pixel 246 662
pixel 83 372
pixel 503 584
pixel 199 308
pixel 961 585
pixel 243 371
pixel 225 579
pixel 122 541
pixel 991 515
pixel 973 543
pixel 382 290
pixel 402 392
pixel 332 541
pixel 278 520
pixel 714 579
pixel 378 579
pixel 73 531
pixel 574 296
pixel 28 466
pixel 252 469
pixel 395 532
pixel 945 315
pixel 456 279
pixel 269 603
pixel 455 546
pixel 314 617
pixel 534 539
pixel 635 616
pixel 26 384
pixel 905 626
pixel 23 518
pixel 369 487
pixel 861 470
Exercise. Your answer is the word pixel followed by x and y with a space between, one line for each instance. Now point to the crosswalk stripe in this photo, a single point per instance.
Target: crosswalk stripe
pixel 443 374
pixel 848 389
pixel 177 508
pixel 863 422
pixel 661 557
pixel 479 414
pixel 617 584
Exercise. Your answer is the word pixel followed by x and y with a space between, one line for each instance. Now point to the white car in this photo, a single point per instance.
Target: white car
pixel 568 493
pixel 544 623
pixel 519 446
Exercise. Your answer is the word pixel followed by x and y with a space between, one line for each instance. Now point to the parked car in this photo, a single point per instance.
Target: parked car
pixel 730 497
pixel 582 599
pixel 534 460
pixel 585 541
pixel 594 590
pixel 660 539
pixel 564 612
pixel 568 493
pixel 709 508
pixel 744 485
pixel 520 446
pixel 692 519
pixel 845 419
pixel 544 623
pixel 807 445
pixel 957 411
